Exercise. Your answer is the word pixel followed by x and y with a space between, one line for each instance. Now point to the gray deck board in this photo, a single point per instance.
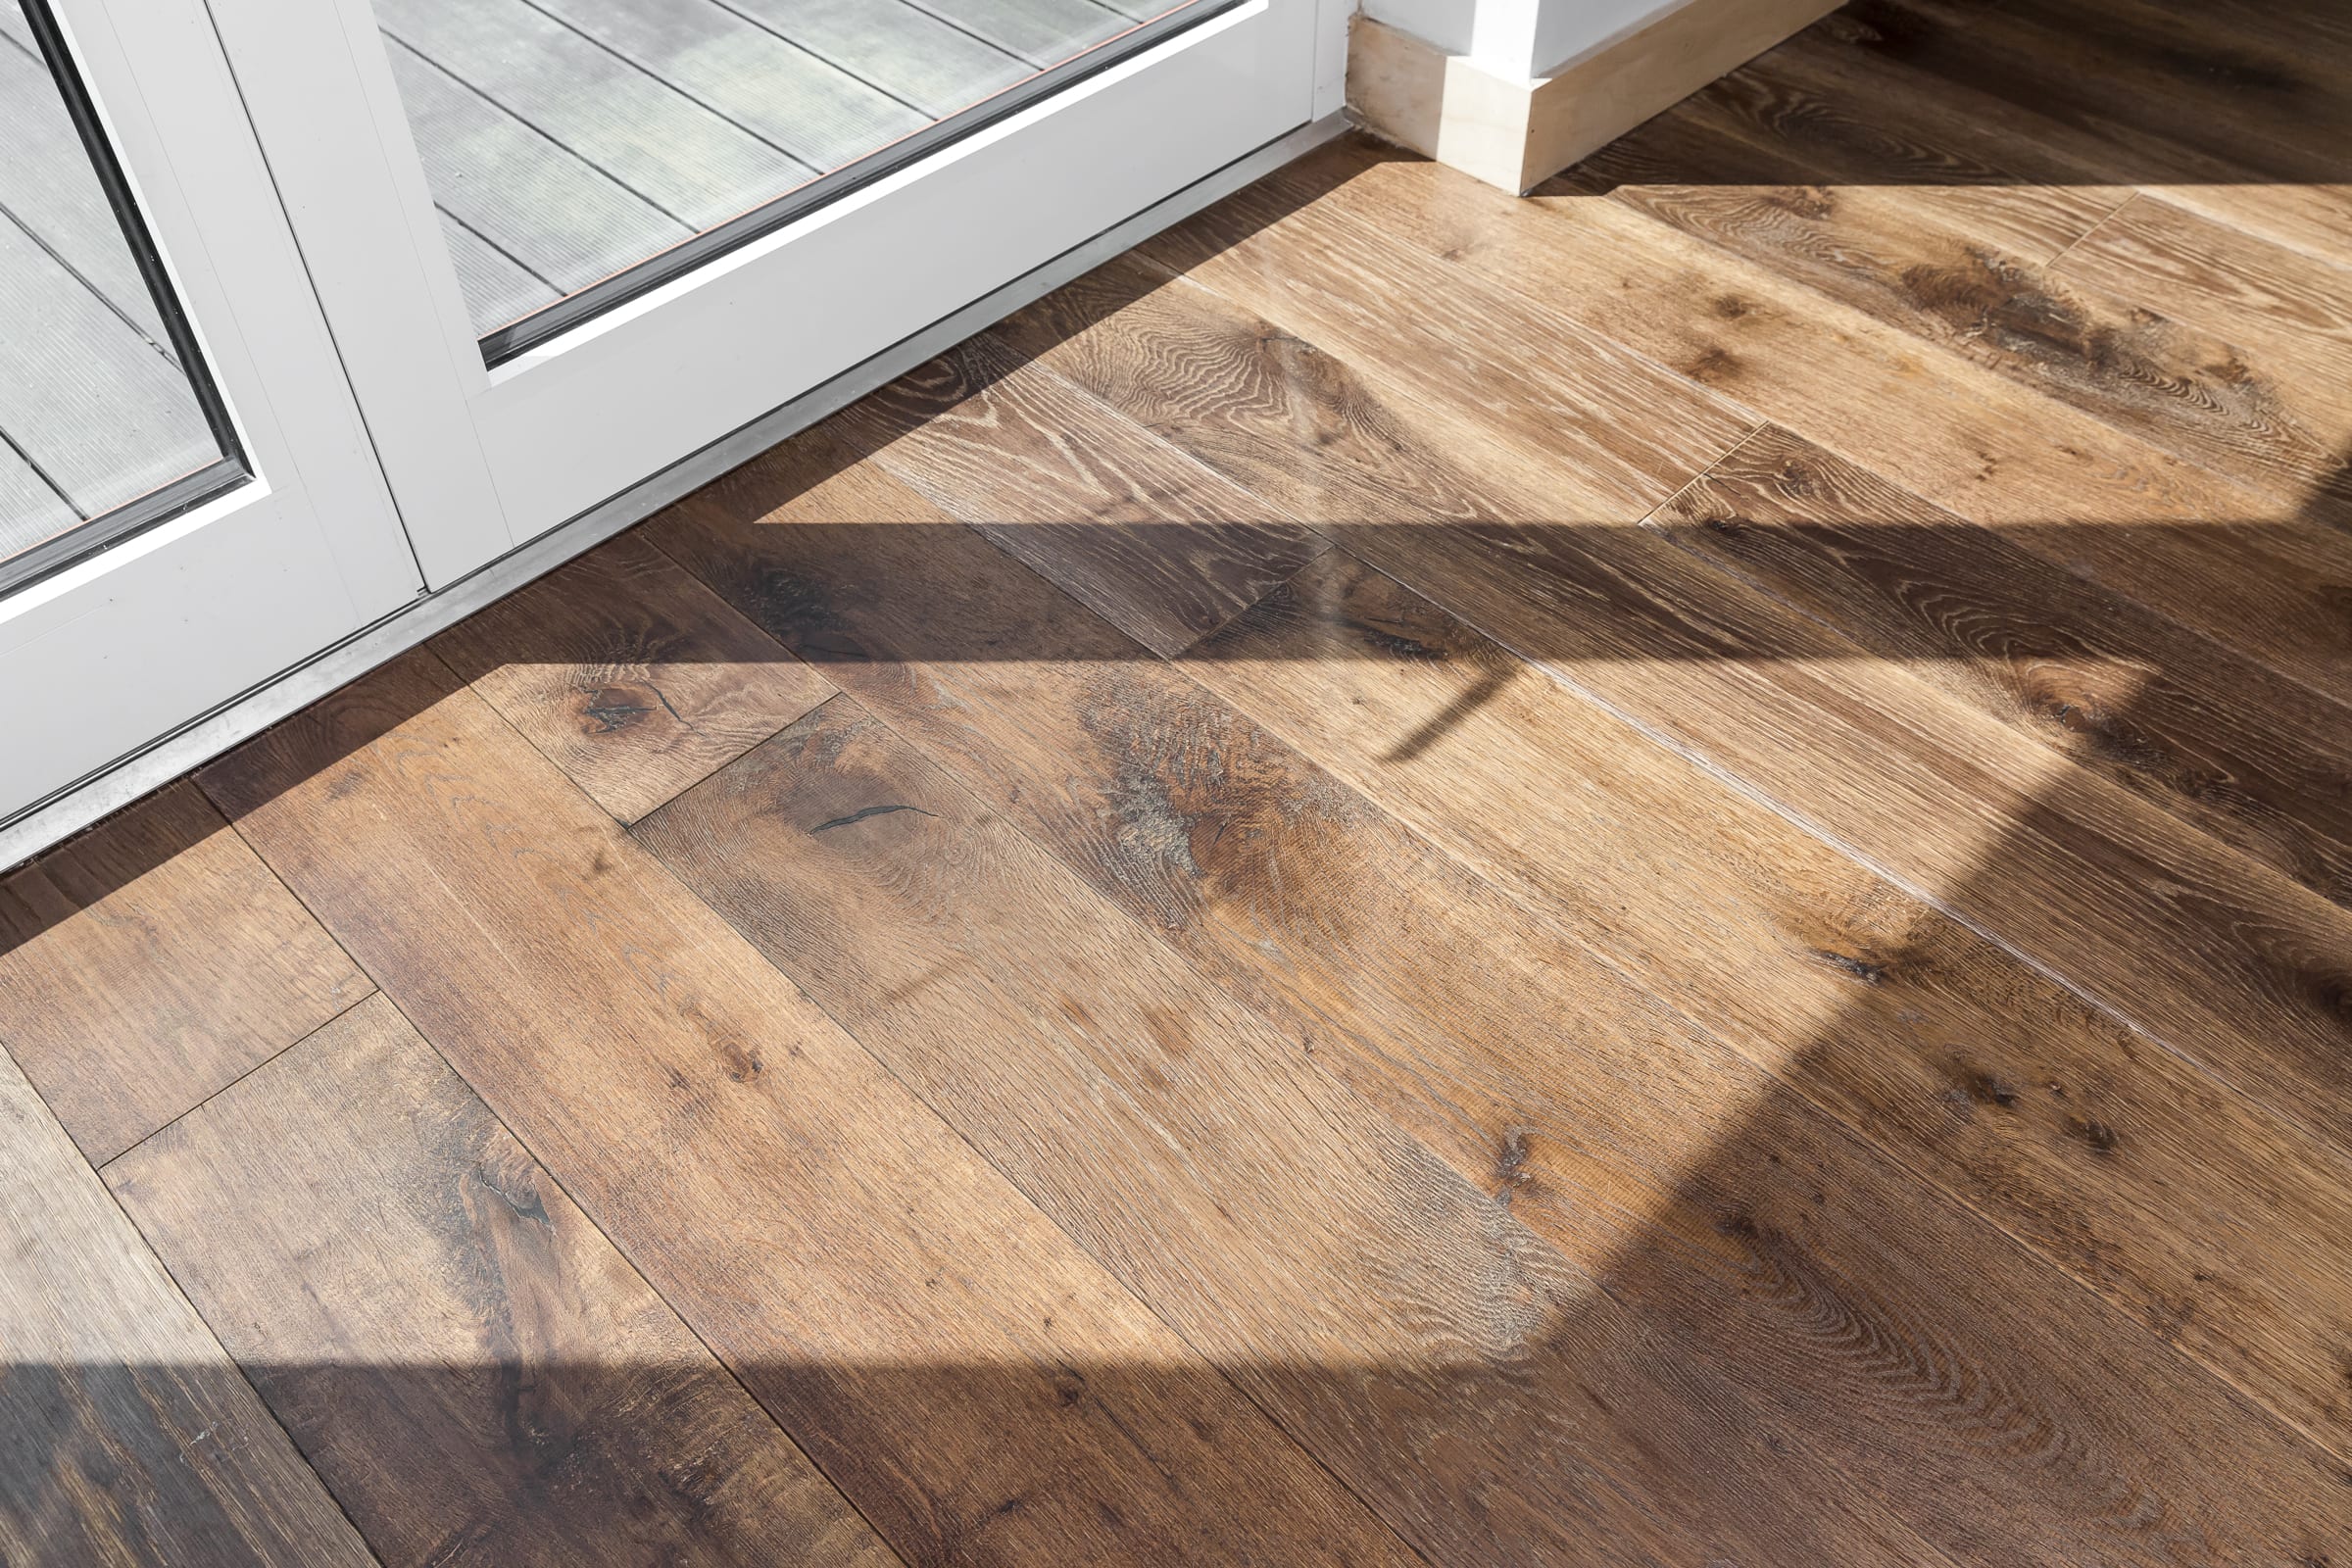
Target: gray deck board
pixel 820 114
pixel 30 511
pixel 907 53
pixel 564 140
pixel 562 218
pixel 1043 32
pixel 497 289
pixel 105 416
pixel 693 164
pixel 47 184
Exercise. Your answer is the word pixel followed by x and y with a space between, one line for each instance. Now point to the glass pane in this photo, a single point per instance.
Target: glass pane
pixel 100 421
pixel 569 141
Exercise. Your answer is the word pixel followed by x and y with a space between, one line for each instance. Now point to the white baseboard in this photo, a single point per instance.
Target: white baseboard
pixel 97 795
pixel 1517 134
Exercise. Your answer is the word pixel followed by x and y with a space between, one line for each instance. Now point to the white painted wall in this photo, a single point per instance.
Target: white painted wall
pixel 1517 40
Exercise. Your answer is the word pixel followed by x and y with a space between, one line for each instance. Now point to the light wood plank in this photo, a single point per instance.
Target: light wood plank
pixel 2228 963
pixel 1491 1400
pixel 1637 1144
pixel 1903 57
pixel 476 1373
pixel 2226 406
pixel 907 51
pixel 2178 1200
pixel 126 1435
pixel 152 960
pixel 821 114
pixel 2212 554
pixel 1153 541
pixel 2204 734
pixel 902 1310
pixel 2230 283
pixel 1619 429
pixel 560 218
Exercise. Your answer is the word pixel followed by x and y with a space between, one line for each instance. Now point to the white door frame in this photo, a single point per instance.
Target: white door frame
pixel 105 653
pixel 484 460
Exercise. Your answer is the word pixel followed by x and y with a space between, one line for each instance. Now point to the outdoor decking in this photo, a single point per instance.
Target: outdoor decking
pixel 564 140
pixel 567 139
pixel 94 411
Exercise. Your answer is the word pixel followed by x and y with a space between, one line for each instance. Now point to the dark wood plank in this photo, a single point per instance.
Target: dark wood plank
pixel 1493 1403
pixel 1159 544
pixel 2226 406
pixel 126 1435
pixel 1791 126
pixel 2028 139
pixel 2210 553
pixel 630 674
pixel 1673 1169
pixel 473 1369
pixel 2223 959
pixel 2136 71
pixel 902 1310
pixel 2195 1213
pixel 2211 737
pixel 152 960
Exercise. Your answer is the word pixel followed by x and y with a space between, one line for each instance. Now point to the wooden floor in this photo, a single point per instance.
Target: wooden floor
pixel 94 408
pixel 1660 875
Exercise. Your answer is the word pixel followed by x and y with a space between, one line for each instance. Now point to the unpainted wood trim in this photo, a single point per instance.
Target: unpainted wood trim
pixel 1517 134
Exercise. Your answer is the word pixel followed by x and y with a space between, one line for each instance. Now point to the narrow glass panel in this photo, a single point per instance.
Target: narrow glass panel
pixel 581 151
pixel 102 426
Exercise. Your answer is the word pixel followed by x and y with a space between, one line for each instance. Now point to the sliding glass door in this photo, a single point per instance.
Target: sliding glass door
pixel 565 243
pixel 314 307
pixel 187 501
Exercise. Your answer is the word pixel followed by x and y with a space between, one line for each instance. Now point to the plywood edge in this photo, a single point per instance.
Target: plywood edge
pixel 1516 134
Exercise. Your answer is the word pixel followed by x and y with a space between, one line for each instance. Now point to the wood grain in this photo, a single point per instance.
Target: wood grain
pixel 1897 52
pixel 630 674
pixel 1374 1301
pixel 125 1434
pixel 1619 430
pixel 2236 284
pixel 2176 1198
pixel 2224 405
pixel 896 1304
pixel 1264 407
pixel 2228 963
pixel 1147 536
pixel 2182 722
pixel 476 1373
pixel 152 960
pixel 1638 1144
pixel 2198 548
